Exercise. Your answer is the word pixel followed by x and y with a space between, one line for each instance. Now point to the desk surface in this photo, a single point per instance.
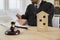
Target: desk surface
pixel 31 34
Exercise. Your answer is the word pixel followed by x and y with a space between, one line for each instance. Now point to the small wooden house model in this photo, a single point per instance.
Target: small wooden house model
pixel 42 21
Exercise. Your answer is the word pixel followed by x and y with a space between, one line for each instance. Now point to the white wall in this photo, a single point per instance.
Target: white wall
pixel 24 6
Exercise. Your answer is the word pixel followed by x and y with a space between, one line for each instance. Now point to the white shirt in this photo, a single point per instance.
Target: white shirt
pixel 38 4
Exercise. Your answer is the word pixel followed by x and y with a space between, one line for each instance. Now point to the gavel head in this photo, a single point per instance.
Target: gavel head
pixel 12 24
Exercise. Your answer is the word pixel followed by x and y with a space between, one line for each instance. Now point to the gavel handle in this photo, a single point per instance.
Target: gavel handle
pixel 21 27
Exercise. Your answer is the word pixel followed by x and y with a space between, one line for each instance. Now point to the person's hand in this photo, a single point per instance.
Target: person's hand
pixel 22 21
pixel 18 16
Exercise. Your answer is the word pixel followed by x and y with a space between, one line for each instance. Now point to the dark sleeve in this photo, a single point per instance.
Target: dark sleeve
pixel 50 10
pixel 26 13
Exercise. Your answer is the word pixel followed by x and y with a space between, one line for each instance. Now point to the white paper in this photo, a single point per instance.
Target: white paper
pixel 8 24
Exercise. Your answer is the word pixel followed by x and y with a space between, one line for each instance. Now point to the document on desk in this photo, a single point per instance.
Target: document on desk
pixel 17 24
pixel 8 24
pixel 6 21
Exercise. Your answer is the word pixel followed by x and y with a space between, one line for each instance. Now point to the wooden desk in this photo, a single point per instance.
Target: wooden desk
pixel 31 34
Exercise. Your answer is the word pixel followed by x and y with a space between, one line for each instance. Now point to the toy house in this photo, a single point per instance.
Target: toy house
pixel 42 21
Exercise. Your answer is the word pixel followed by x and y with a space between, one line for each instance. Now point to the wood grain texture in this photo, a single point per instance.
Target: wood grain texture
pixel 42 21
pixel 31 34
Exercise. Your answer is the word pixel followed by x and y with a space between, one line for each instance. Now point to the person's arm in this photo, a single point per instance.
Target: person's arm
pixel 26 13
pixel 50 11
pixel 25 16
pixel 23 19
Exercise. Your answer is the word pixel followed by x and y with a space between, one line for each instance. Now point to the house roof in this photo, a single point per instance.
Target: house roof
pixel 42 13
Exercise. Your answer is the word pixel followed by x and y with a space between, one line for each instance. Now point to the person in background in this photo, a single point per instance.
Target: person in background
pixel 34 8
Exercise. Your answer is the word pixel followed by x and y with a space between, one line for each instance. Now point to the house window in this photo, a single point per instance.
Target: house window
pixel 44 23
